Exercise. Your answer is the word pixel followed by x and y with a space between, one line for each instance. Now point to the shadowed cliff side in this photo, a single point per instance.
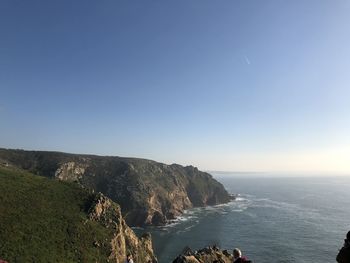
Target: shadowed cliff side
pixel 150 193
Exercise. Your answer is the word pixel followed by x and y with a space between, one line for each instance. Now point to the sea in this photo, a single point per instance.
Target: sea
pixel 274 219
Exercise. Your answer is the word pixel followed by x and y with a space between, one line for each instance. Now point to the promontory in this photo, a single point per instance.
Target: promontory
pixel 148 192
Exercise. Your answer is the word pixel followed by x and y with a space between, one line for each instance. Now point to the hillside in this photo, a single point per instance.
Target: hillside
pixel 150 193
pixel 44 220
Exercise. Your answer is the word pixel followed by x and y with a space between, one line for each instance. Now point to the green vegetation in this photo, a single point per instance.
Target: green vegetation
pixel 44 220
pixel 149 193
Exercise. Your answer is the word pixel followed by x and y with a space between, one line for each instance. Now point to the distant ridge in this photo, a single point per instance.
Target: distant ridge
pixel 149 192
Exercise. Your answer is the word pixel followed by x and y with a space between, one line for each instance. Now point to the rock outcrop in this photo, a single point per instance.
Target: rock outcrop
pixel 149 193
pixel 124 241
pixel 206 255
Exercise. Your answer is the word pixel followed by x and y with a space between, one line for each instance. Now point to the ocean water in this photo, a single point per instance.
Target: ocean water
pixel 272 220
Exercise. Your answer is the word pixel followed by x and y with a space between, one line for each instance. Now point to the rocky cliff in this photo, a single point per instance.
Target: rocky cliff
pixel 205 255
pixel 46 220
pixel 104 211
pixel 150 193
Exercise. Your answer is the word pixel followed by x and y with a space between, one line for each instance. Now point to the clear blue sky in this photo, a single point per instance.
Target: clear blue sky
pixel 223 85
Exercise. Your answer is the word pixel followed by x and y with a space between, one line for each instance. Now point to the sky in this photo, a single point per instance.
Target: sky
pixel 232 85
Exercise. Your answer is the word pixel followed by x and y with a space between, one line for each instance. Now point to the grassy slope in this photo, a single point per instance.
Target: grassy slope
pixel 42 220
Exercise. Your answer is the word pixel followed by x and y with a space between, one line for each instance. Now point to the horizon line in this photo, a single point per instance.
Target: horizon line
pixel 223 172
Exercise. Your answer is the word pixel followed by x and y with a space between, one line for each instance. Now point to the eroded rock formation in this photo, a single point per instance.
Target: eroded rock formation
pixel 124 240
pixel 206 255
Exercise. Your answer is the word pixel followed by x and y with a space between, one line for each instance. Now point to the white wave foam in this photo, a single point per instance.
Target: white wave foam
pixel 240 204
pixel 284 206
pixel 186 229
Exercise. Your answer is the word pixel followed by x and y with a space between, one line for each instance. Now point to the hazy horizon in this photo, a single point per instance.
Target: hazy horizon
pixel 239 173
pixel 232 86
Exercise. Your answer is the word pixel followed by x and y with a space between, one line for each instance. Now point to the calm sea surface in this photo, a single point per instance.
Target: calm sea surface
pixel 273 220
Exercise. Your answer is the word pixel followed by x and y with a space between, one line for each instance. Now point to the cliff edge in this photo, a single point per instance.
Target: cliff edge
pixel 150 193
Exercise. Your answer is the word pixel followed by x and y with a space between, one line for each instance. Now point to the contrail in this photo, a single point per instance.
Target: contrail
pixel 247 60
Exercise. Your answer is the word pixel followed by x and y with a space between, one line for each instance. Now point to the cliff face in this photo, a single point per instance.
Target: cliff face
pixel 46 220
pixel 149 193
pixel 123 241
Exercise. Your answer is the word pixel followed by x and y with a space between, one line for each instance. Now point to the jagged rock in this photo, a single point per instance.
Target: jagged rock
pixel 149 193
pixel 187 251
pixel 71 171
pixel 124 241
pixel 226 253
pixel 187 259
pixel 205 255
